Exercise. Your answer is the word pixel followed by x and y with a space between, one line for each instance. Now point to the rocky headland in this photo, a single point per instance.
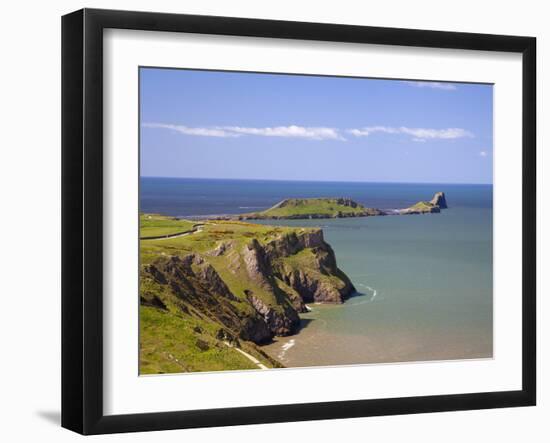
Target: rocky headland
pixel 434 206
pixel 330 207
pixel 237 283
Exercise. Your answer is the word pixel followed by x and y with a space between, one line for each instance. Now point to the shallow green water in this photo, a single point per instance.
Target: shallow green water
pixel 426 291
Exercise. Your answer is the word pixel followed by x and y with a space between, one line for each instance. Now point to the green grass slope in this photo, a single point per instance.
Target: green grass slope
pixel 314 208
pixel 175 342
pixel 229 282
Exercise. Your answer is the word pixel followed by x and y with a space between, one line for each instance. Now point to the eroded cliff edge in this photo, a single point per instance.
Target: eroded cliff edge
pixel 240 281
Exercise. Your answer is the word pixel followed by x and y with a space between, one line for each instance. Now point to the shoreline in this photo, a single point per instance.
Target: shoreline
pixel 291 340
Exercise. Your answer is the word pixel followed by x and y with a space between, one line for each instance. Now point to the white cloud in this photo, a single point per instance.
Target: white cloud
pixel 365 132
pixel 432 85
pixel 423 133
pixel 313 133
pixel 206 132
pixel 418 134
pixel 483 153
pixel 293 131
pixel 359 132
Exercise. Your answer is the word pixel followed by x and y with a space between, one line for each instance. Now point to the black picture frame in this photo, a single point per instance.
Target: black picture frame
pixel 82 219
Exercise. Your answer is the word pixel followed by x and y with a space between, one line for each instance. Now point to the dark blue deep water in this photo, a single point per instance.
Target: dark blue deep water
pixel 185 197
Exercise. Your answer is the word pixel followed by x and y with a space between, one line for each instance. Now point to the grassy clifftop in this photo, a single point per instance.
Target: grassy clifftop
pixel 228 285
pixel 152 225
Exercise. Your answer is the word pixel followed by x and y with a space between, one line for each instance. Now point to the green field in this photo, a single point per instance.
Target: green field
pixel 318 207
pixel 212 233
pixel 152 225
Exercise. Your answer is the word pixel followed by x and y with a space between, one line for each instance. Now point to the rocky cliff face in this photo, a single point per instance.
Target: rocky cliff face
pixel 194 287
pixel 420 208
pixel 434 206
pixel 253 291
pixel 314 275
pixel 439 200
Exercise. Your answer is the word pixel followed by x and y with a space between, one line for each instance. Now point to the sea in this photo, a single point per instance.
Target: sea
pixel 424 282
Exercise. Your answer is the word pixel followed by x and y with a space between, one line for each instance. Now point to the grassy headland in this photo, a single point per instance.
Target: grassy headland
pixel 229 284
pixel 328 207
pixel 302 208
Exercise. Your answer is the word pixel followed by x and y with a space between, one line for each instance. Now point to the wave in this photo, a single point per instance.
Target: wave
pixel 373 294
pixel 289 344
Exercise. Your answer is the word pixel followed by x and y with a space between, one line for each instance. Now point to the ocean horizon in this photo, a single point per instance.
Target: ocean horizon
pixel 306 180
pixel 178 197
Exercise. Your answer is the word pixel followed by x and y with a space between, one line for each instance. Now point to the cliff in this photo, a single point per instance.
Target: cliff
pixel 439 200
pixel 434 206
pixel 240 284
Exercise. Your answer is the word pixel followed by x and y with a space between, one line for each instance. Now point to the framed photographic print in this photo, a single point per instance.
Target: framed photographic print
pixel 269 221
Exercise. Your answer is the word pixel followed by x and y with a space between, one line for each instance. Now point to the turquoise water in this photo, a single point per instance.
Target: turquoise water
pixel 426 284
pixel 424 281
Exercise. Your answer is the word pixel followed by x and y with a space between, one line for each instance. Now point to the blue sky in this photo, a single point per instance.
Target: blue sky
pixel 288 127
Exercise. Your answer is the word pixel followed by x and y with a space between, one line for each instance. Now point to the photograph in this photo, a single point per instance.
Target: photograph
pixel 291 220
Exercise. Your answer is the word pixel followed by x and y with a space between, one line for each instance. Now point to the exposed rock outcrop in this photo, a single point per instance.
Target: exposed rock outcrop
pixel 279 323
pixel 193 286
pixel 439 200
pixel 434 206
pixel 276 279
pixel 367 212
pixel 420 208
pixel 316 277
